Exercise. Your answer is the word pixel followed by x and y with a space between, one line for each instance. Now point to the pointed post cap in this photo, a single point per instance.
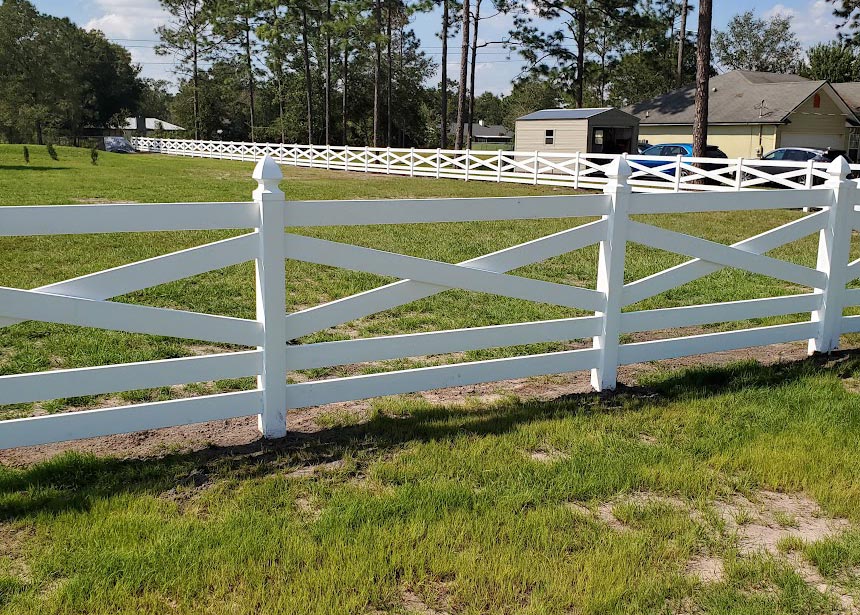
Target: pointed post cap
pixel 839 169
pixel 268 175
pixel 619 170
pixel 267 168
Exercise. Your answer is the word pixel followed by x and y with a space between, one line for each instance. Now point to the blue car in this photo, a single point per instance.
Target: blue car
pixel 672 150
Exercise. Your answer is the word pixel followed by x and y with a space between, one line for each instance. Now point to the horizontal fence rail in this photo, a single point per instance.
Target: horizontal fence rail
pixel 575 170
pixel 268 345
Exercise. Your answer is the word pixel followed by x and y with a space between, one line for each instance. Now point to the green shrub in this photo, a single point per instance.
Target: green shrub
pixel 94 155
pixel 52 152
pixel 26 155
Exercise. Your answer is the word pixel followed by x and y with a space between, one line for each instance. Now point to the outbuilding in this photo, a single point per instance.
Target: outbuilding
pixel 604 130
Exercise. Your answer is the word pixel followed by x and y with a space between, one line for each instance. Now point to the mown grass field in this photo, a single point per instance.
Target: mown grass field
pixel 585 504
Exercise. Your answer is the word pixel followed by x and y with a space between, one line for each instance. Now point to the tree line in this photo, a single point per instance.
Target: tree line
pixel 354 72
pixel 55 76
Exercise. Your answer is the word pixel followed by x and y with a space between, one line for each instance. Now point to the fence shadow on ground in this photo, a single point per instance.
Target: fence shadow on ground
pixel 27 167
pixel 73 481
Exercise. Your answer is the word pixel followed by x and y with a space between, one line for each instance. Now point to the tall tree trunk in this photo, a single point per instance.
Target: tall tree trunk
pixel 308 84
pixel 443 113
pixel 377 70
pixel 279 77
pixel 682 36
pixel 196 89
pixel 471 119
pixel 703 69
pixel 328 74
pixel 250 65
pixel 580 56
pixel 464 75
pixel 345 89
pixel 390 60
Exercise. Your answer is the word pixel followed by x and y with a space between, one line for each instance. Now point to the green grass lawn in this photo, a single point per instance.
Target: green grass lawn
pixel 32 261
pixel 586 504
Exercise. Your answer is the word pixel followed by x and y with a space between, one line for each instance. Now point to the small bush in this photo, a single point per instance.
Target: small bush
pixel 52 152
pixel 26 155
pixel 94 155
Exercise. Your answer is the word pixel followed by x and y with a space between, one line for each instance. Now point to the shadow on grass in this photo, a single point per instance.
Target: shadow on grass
pixel 73 481
pixel 24 167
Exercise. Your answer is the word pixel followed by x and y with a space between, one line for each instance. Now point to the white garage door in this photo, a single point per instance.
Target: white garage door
pixel 812 140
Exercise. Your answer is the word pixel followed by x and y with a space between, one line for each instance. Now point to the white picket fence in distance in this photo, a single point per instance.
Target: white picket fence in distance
pixel 84 301
pixel 575 170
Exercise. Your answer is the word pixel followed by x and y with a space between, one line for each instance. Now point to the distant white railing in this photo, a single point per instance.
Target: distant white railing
pixel 269 357
pixel 574 170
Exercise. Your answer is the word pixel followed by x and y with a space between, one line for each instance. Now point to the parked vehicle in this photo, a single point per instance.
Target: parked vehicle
pixel 799 155
pixel 685 150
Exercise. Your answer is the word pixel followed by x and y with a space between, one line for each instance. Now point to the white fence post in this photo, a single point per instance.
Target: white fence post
pixel 537 168
pixel 678 170
pixel 411 162
pixel 438 162
pixel 468 162
pixel 366 158
pixel 739 175
pixel 834 245
pixel 271 298
pixel 499 168
pixel 576 172
pixel 610 275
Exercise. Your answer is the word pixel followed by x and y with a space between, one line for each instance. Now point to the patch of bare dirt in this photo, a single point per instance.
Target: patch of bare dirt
pixel 761 524
pixel 11 546
pixel 311 470
pixel 414 605
pixel 226 434
pixel 548 456
pixel 604 511
pixel 811 576
pixel 706 568
pixel 189 487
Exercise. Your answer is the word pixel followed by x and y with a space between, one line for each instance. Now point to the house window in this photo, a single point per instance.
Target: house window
pixel 598 136
pixel 816 101
pixel 549 137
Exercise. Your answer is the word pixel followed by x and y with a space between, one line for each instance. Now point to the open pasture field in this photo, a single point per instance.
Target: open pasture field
pixel 724 489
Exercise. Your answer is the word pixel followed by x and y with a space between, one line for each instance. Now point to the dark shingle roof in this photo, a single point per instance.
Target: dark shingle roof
pixel 734 98
pixel 493 130
pixel 564 114
pixel 850 93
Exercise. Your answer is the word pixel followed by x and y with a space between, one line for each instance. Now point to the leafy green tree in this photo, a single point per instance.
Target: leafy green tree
pixel 489 108
pixel 188 36
pixel 234 22
pixel 533 94
pixel 849 12
pixel 57 77
pixel 835 62
pixel 561 54
pixel 749 43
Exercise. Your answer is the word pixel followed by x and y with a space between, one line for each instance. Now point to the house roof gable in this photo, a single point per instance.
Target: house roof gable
pixel 737 97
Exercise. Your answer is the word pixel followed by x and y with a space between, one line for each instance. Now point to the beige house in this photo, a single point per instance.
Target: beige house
pixel 604 130
pixel 751 113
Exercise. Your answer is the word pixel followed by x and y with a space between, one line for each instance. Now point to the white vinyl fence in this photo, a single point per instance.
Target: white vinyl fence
pixel 82 301
pixel 575 170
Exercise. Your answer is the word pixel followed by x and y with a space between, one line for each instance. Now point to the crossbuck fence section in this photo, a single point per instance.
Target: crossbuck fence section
pixel 575 170
pixel 82 301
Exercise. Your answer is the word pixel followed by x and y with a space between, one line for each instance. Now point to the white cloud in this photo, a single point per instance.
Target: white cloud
pixel 132 23
pixel 813 24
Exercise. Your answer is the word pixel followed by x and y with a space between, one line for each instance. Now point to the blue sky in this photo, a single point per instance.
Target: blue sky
pixel 131 23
